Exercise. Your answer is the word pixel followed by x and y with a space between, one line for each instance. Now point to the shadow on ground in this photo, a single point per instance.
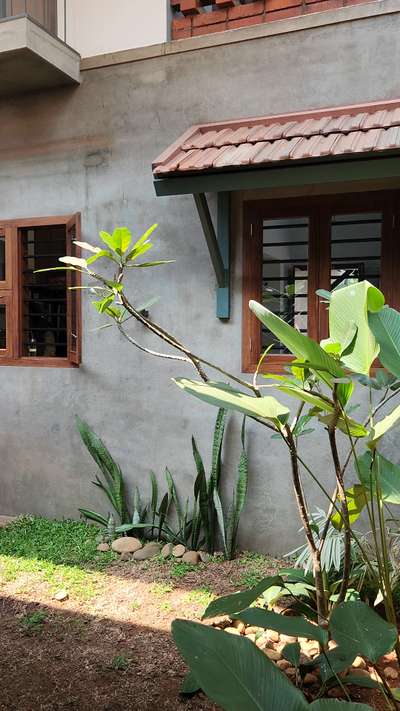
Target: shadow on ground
pixel 65 661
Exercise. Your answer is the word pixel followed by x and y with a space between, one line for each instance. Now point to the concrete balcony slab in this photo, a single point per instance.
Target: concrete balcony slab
pixel 32 59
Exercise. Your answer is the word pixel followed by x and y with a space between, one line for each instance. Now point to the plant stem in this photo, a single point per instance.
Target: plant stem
pixel 316 557
pixel 342 497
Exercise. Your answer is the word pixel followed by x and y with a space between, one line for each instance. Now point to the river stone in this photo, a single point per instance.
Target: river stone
pixel 204 557
pixel 126 545
pixel 359 663
pixel 166 551
pixel 61 596
pixel 272 654
pixel 150 550
pixel 103 547
pixel 178 551
pixel 310 679
pixel 390 673
pixel 191 557
pixel 283 664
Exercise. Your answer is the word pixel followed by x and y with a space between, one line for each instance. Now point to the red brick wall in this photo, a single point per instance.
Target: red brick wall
pixel 200 17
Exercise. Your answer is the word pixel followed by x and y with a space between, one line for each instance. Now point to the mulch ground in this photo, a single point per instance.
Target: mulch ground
pixel 70 660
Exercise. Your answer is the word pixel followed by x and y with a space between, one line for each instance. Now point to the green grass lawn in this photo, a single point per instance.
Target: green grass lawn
pixel 62 553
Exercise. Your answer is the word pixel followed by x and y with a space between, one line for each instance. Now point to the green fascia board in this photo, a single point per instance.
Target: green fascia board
pixel 292 174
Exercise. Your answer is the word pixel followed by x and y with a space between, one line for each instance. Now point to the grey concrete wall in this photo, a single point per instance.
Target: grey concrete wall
pixel 90 149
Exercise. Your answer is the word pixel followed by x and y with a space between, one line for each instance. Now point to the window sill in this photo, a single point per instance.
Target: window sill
pixel 38 362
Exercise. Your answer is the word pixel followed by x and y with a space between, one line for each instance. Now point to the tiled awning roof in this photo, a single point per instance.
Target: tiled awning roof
pixel 262 141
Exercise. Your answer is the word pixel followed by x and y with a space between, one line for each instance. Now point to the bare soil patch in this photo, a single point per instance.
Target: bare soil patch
pixel 67 658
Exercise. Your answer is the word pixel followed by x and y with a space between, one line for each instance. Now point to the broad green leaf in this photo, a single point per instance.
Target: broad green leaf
pixel 74 261
pixel 362 681
pixel 99 253
pixel 324 294
pixel 344 392
pixel 119 241
pixel 349 306
pixel 222 395
pixel 356 498
pixel 154 264
pixel 300 345
pixel 292 652
pixel 335 705
pixel 230 604
pixel 385 325
pixel 292 626
pixel 346 425
pixel 233 672
pixel 384 426
pixel 104 304
pixel 190 685
pixel 389 476
pixel 300 394
pixel 357 628
pixel 87 246
pixel 334 661
pixel 136 250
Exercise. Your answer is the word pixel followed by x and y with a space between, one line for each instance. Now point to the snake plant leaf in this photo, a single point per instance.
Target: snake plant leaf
pixel 388 476
pixel 233 672
pixel 221 520
pixel 351 305
pixel 292 626
pixel 222 395
pixel 356 497
pixel 384 426
pixel 218 437
pixel 357 628
pixel 385 325
pixel 303 347
pixel 229 604
pixel 93 516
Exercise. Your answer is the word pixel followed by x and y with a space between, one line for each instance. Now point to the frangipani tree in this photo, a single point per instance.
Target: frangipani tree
pixel 320 381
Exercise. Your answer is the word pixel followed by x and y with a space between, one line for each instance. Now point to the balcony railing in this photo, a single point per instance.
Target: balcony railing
pixel 42 11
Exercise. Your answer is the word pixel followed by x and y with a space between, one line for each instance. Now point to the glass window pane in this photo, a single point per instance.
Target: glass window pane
pixel 356 249
pixel 3 327
pixel 285 274
pixel 44 300
pixel 2 258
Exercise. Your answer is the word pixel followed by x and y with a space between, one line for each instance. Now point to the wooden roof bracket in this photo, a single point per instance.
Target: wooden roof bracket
pixel 218 246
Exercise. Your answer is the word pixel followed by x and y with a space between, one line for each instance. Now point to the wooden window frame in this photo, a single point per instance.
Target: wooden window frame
pixel 319 211
pixel 11 292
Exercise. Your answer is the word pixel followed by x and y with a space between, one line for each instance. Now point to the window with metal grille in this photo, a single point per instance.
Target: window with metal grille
pixel 39 313
pixel 292 248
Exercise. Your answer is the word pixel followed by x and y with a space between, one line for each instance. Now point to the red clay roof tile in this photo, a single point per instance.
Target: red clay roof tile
pixel 313 134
